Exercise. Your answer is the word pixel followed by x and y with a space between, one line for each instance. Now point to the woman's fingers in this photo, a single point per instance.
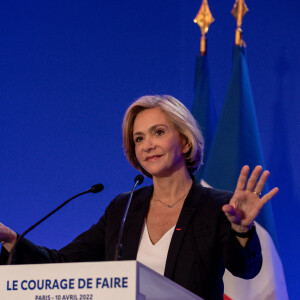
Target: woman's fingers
pixel 252 181
pixel 261 183
pixel 269 195
pixel 256 181
pixel 246 202
pixel 242 180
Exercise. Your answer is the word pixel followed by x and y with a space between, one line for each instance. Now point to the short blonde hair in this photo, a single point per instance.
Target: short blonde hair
pixel 183 121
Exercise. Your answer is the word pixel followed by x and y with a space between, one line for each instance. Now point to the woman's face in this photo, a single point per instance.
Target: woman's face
pixel 159 148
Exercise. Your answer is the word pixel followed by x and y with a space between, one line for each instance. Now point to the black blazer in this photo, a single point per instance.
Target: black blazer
pixel 201 248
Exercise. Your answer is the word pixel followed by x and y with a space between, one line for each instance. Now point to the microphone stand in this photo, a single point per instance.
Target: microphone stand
pixel 94 189
pixel 119 247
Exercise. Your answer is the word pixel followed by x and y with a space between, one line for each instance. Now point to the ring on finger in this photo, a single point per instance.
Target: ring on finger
pixel 257 193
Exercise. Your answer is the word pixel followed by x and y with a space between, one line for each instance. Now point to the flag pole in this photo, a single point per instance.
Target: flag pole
pixel 238 11
pixel 203 18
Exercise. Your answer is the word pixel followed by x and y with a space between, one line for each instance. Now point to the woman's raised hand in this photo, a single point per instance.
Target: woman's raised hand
pixel 247 201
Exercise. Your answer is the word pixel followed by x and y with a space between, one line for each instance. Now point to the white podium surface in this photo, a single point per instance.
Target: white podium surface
pixel 120 280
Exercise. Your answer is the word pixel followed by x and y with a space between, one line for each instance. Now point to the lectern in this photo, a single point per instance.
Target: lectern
pixel 121 280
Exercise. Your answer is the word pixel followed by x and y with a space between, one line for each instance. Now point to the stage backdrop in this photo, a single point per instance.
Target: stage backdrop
pixel 69 69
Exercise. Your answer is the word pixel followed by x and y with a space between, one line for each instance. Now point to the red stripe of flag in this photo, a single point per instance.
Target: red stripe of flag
pixel 226 297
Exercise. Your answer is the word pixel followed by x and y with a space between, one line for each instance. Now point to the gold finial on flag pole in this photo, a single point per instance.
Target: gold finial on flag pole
pixel 238 11
pixel 203 18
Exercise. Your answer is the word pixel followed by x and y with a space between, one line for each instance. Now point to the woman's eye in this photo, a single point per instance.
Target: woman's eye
pixel 159 132
pixel 138 139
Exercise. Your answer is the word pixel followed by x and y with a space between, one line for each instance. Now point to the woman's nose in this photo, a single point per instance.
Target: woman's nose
pixel 148 144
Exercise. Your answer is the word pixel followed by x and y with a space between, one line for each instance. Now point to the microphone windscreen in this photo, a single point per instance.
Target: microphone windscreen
pixel 97 188
pixel 139 179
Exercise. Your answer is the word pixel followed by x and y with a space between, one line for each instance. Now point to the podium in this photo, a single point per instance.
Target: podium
pixel 121 280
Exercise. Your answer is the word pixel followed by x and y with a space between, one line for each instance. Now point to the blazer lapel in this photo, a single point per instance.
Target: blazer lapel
pixel 135 221
pixel 181 227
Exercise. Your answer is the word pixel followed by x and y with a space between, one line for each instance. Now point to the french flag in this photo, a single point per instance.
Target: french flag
pixel 236 143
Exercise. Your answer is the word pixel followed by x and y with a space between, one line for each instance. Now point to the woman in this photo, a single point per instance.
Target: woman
pixel 176 226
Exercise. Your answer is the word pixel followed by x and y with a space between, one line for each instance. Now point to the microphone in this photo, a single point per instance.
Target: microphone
pixel 94 189
pixel 139 179
pixel 119 247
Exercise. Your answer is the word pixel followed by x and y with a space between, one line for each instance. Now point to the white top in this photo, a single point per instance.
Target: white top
pixel 154 256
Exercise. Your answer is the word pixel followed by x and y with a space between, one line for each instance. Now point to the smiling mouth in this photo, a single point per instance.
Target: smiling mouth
pixel 153 158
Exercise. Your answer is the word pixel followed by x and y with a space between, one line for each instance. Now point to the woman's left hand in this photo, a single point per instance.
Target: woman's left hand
pixel 246 203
